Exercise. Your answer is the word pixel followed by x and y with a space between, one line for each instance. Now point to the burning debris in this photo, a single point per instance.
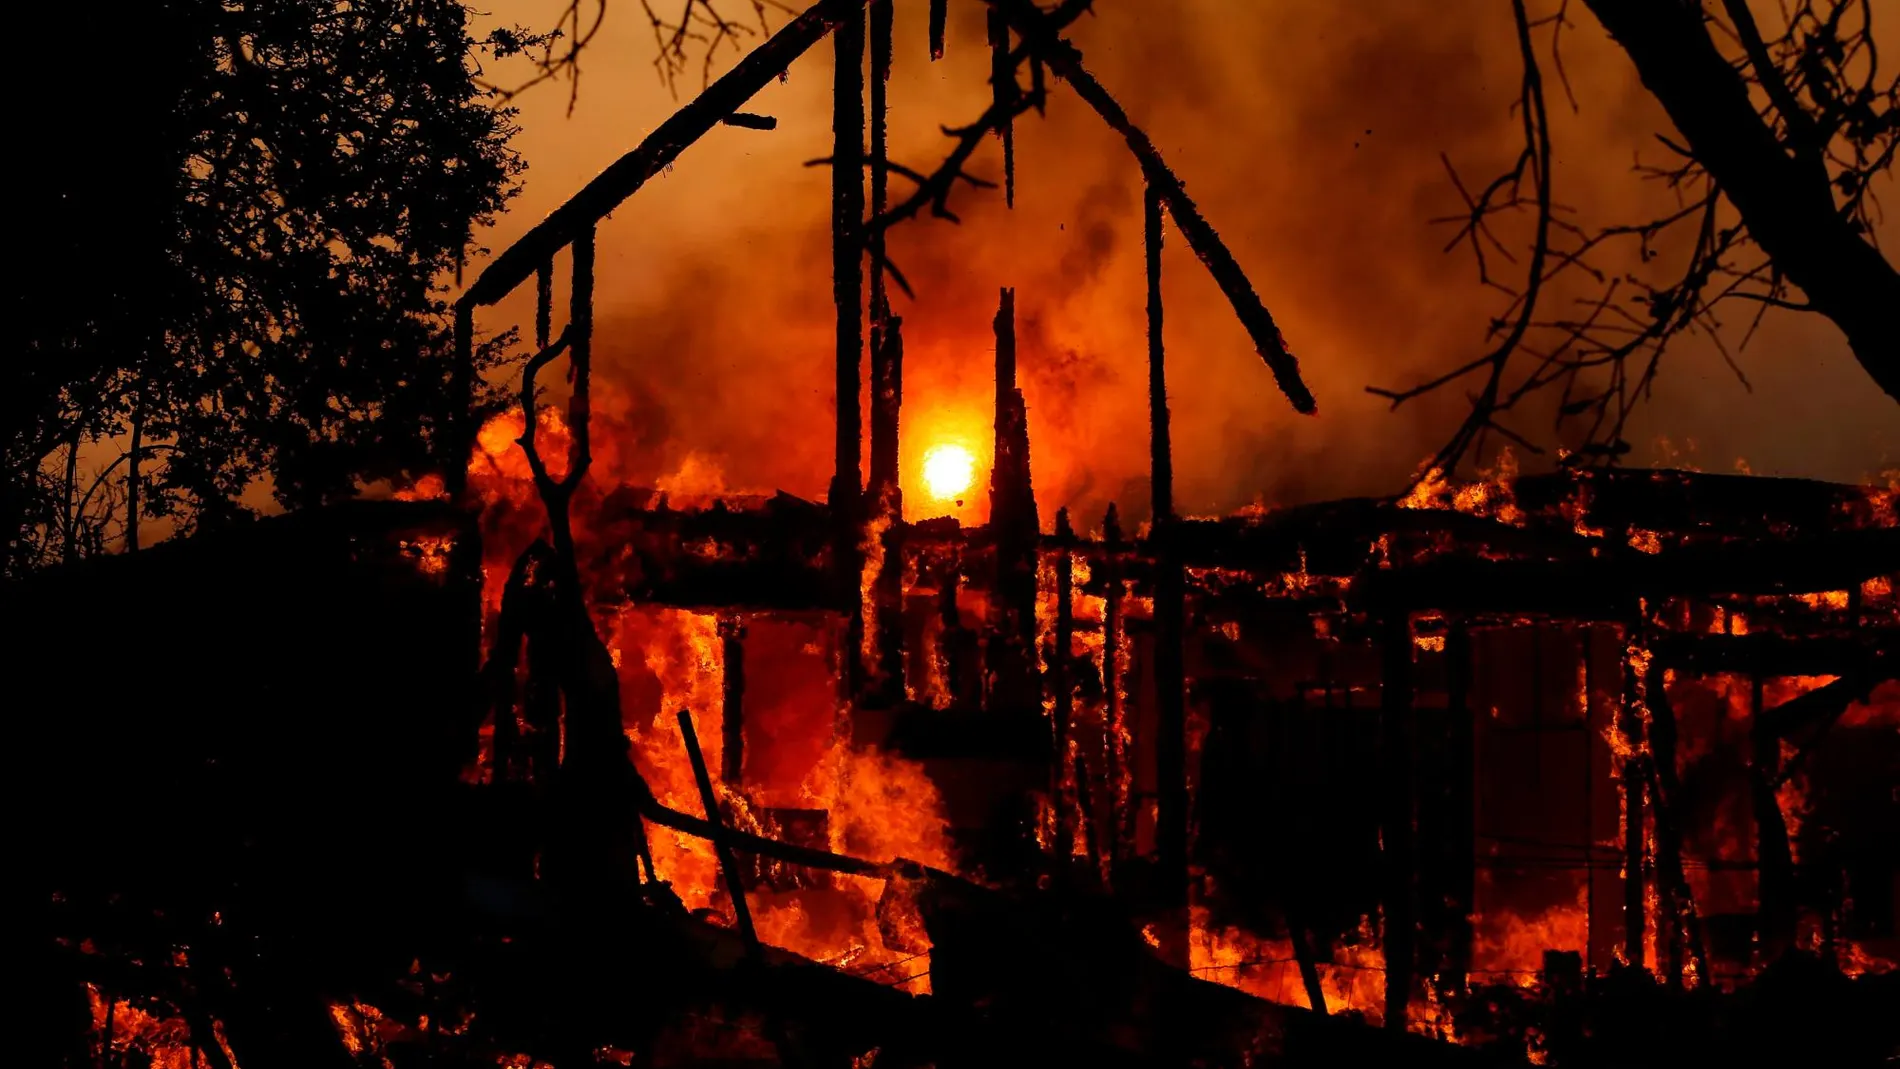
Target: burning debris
pixel 564 771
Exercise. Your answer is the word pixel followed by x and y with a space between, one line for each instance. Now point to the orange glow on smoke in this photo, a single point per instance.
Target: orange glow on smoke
pixel 949 469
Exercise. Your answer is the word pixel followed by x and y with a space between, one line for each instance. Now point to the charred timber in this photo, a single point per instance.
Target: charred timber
pixel 1015 529
pixel 1632 725
pixel 732 703
pixel 1062 691
pixel 656 153
pixel 1774 854
pixel 1041 35
pixel 1684 933
pixel 1395 823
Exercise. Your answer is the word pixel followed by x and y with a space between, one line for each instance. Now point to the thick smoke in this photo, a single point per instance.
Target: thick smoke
pixel 1310 132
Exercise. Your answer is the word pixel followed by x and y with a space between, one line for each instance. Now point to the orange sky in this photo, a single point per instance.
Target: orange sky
pixel 1309 132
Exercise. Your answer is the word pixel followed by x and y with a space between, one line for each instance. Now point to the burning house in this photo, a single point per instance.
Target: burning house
pixel 532 767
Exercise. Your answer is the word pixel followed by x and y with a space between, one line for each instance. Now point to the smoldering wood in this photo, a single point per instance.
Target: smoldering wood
pixel 939 14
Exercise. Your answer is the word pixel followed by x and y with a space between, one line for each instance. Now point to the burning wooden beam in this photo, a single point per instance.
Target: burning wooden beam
pixel 1631 726
pixel 732 705
pixel 1014 528
pixel 1062 697
pixel 1684 933
pixel 1120 772
pixel 1040 35
pixel 1171 793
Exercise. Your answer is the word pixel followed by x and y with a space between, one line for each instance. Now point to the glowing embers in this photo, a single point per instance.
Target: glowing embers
pixel 949 471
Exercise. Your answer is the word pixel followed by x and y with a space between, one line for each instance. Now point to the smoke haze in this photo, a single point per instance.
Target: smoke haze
pixel 1310 134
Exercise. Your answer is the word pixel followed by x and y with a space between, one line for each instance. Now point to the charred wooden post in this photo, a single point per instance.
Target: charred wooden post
pixel 1631 726
pixel 728 867
pixel 1775 894
pixel 1003 92
pixel 881 18
pixel 847 293
pixel 132 480
pixel 1171 792
pixel 1120 774
pixel 732 704
pixel 1071 813
pixel 1160 445
pixel 939 14
pixel 1014 529
pixel 1461 807
pixel 885 683
pixel 1395 824
pixel 957 645
pixel 1684 934
pixel 460 439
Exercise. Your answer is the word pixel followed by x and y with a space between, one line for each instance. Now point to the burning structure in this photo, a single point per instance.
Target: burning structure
pixel 1537 764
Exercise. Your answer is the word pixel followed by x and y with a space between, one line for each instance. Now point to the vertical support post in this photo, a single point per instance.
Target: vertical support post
pixel 1631 726
pixel 459 440
pixel 847 292
pixel 1171 792
pixel 1775 904
pixel 1071 813
pixel 1015 528
pixel 132 479
pixel 543 303
pixel 1685 925
pixel 1395 713
pixel 1461 804
pixel 580 347
pixel 1160 447
pixel 732 705
pixel 886 343
pixel 1120 812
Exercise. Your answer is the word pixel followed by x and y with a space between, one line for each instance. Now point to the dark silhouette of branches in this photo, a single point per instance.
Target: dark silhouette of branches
pixel 685 33
pixel 232 265
pixel 1770 169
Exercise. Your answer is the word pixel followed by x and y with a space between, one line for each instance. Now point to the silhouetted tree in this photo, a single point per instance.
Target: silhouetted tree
pixel 238 221
pixel 1780 134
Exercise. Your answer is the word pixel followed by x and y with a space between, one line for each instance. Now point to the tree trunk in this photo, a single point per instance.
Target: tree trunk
pixel 1787 203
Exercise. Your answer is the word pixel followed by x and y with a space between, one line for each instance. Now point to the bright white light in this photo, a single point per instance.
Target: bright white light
pixel 948 470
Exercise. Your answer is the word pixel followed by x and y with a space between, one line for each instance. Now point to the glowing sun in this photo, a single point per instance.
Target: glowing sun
pixel 948 470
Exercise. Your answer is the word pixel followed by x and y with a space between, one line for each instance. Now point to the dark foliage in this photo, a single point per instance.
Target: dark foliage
pixel 236 243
